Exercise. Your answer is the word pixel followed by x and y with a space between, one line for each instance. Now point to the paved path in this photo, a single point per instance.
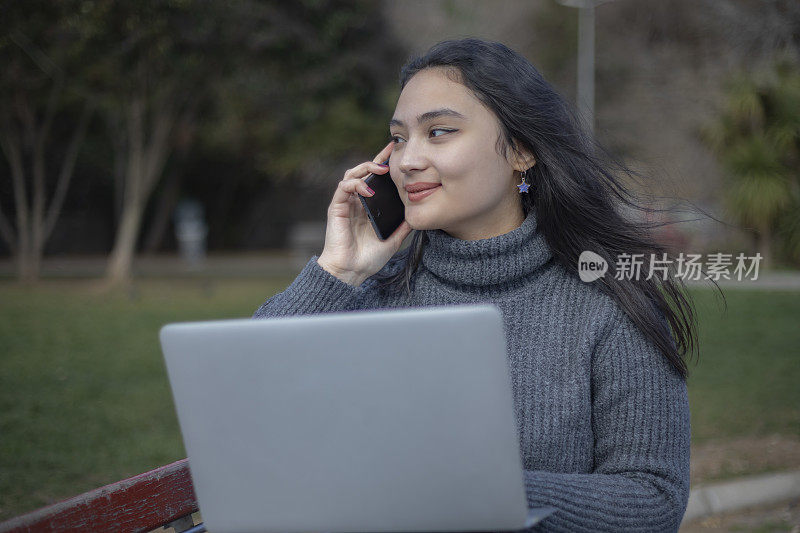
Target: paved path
pixel 743 503
pixel 781 280
pixel 782 517
pixel 284 263
pixel 257 264
pixel 742 493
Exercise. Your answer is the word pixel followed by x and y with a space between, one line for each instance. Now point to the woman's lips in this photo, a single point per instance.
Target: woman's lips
pixel 418 191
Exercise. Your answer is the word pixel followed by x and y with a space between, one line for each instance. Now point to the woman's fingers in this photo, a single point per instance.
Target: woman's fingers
pixel 353 181
pixel 353 186
pixel 384 154
pixel 365 169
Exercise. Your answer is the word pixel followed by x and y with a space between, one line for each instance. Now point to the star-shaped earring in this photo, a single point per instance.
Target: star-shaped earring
pixel 524 186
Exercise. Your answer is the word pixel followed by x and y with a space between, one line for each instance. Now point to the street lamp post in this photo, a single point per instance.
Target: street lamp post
pixel 585 98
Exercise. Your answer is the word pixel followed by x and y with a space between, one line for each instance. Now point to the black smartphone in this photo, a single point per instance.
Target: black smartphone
pixel 385 209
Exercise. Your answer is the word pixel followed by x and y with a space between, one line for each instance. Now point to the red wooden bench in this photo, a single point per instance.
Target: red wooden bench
pixel 161 497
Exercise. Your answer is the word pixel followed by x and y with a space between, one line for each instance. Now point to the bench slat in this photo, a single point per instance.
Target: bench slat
pixel 141 503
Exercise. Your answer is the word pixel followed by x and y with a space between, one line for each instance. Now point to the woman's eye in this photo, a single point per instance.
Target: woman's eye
pixel 436 132
pixel 440 130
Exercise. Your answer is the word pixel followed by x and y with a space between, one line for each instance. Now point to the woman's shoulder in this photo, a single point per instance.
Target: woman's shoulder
pixel 589 295
pixel 584 303
pixel 604 317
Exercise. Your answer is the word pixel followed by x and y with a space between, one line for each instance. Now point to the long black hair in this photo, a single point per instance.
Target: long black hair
pixel 575 189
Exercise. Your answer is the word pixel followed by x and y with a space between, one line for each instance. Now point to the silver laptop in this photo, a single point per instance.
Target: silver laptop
pixel 395 420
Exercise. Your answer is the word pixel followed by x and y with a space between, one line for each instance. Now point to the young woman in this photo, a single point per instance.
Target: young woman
pixel 503 191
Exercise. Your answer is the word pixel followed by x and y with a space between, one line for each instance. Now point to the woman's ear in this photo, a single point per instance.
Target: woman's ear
pixel 527 162
pixel 521 159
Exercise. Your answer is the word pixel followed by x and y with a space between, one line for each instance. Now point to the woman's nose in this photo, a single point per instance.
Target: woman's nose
pixel 412 158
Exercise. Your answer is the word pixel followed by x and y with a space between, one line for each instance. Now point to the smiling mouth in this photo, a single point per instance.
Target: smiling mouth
pixel 421 186
pixel 424 193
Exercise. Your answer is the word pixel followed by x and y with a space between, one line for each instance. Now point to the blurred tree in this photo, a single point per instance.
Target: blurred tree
pixel 152 75
pixel 282 90
pixel 312 93
pixel 43 119
pixel 757 137
pixel 297 68
pixel 321 88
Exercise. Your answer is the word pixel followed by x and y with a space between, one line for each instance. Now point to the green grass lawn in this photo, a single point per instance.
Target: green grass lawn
pixel 84 398
pixel 747 381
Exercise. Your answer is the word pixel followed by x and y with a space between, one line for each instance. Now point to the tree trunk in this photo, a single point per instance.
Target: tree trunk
pixel 120 262
pixel 166 205
pixel 146 156
pixel 184 133
pixel 35 222
pixel 12 140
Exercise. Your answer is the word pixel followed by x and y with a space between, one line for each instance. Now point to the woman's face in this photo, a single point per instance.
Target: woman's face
pixel 444 136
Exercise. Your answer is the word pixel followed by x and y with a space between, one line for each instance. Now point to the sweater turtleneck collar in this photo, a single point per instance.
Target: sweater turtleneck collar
pixel 491 261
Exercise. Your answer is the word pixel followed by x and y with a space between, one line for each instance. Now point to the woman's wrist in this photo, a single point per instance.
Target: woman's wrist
pixel 351 278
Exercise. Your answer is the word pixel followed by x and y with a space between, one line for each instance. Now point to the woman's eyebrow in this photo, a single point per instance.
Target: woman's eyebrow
pixel 430 115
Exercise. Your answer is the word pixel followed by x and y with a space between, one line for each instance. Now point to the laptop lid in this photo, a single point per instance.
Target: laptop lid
pixel 395 420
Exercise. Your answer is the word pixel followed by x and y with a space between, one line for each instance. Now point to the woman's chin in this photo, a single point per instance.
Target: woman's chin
pixel 419 223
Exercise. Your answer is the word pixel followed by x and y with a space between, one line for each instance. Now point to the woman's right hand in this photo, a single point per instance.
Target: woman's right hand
pixel 353 252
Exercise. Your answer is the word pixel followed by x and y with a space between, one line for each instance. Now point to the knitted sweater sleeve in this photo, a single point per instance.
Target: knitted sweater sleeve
pixel 640 419
pixel 315 290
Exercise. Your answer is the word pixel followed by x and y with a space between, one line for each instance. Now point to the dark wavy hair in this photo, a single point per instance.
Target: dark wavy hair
pixel 575 189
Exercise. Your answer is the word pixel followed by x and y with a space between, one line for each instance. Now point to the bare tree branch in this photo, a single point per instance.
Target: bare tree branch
pixel 67 169
pixel 38 192
pixel 6 230
pixel 37 56
pixel 7 233
pixel 26 117
pixel 11 148
pixel 50 110
pixel 119 144
pixel 158 146
pixel 135 125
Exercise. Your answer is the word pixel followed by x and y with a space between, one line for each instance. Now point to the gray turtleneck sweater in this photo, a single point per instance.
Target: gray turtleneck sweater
pixel 603 418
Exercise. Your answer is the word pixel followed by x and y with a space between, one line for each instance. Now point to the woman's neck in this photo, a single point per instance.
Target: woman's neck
pixel 488 262
pixel 500 224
